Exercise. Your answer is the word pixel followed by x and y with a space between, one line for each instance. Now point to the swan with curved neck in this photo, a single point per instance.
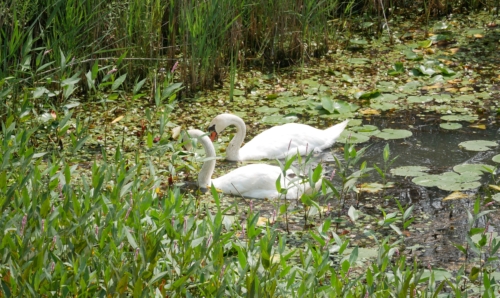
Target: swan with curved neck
pixel 277 142
pixel 252 181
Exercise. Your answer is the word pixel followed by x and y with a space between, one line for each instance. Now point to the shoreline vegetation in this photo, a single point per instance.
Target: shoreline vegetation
pixel 101 214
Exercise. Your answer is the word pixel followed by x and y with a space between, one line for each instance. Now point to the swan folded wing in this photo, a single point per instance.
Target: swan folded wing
pixel 284 140
pixel 259 181
pixel 255 181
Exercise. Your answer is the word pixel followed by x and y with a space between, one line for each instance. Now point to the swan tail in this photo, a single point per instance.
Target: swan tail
pixel 333 133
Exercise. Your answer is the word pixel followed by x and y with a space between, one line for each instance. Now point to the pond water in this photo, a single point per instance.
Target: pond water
pixel 439 224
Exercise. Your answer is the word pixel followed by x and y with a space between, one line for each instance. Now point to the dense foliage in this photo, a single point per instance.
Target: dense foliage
pixel 103 221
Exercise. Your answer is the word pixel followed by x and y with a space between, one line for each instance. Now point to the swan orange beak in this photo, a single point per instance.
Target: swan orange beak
pixel 213 136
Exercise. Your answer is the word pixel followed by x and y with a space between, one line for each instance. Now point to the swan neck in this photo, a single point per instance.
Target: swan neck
pixel 204 177
pixel 233 149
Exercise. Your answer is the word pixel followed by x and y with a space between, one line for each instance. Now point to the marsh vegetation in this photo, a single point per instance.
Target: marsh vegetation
pixel 93 95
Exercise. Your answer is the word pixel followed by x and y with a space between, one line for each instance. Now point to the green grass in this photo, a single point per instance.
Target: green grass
pixel 142 37
pixel 116 228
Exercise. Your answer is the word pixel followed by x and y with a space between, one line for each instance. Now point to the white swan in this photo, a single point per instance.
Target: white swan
pixel 252 181
pixel 277 142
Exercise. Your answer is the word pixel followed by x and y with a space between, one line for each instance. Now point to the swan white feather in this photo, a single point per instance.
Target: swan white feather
pixel 252 181
pixel 277 142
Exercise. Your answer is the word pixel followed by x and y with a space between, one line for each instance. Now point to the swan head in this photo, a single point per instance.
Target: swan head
pixel 220 122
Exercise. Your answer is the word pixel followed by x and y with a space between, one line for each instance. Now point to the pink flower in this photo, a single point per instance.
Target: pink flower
pixel 54 239
pixel 23 224
pixel 174 67
pixel 332 175
pixel 112 70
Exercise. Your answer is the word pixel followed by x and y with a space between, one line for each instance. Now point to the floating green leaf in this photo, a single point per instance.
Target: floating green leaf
pixel 450 181
pixel 419 99
pixel 424 43
pixel 352 137
pixel 267 110
pixel 496 197
pixel 423 71
pixel 410 55
pixel 397 69
pixel 327 104
pixel 358 60
pixel 446 71
pixel 358 41
pixel 478 145
pixel 427 180
pixel 460 186
pixel 367 130
pixel 367 95
pixel 278 119
pixel 347 78
pixel 469 118
pixel 410 171
pixel 478 168
pixel 411 86
pixel 450 125
pixel 496 158
pixel 391 134
pixel 442 98
pixel 383 106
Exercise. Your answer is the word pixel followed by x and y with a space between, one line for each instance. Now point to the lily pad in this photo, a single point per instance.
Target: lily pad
pixel 496 197
pixel 410 171
pixel 469 118
pixel 358 60
pixel 391 134
pixel 352 137
pixel 478 168
pixel 496 158
pixel 367 130
pixel 419 99
pixel 384 106
pixel 478 145
pixel 460 186
pixel 337 106
pixel 278 119
pixel 267 110
pixel 397 69
pixel 466 97
pixel 450 125
pixel 411 86
pixel 450 181
pixel 427 180
pixel 442 98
